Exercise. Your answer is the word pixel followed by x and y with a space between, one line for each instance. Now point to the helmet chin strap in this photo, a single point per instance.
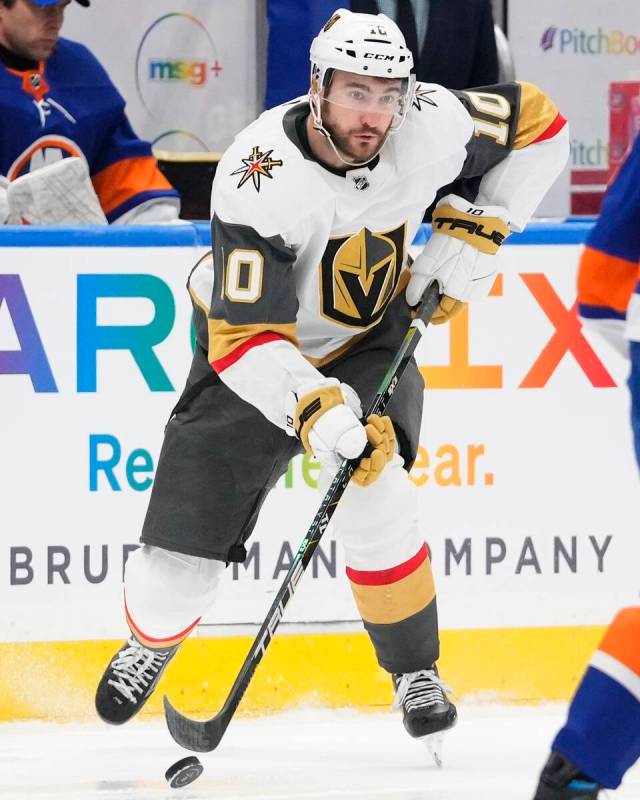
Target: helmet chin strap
pixel 319 126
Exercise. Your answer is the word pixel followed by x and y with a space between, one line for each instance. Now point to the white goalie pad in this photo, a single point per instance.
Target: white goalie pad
pixel 58 194
pixel 4 199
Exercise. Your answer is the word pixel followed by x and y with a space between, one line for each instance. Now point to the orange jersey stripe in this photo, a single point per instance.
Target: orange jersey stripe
pixel 57 142
pixel 123 180
pixel 605 280
pixel 622 639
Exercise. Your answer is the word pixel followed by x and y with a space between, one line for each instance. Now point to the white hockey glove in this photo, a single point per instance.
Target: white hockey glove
pixel 325 416
pixel 460 254
pixel 58 194
pixel 4 199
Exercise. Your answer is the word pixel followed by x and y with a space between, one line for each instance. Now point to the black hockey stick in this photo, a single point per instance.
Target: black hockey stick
pixel 202 737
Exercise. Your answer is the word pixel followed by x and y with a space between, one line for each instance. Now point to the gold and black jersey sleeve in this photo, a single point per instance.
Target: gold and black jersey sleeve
pixel 507 116
pixel 253 296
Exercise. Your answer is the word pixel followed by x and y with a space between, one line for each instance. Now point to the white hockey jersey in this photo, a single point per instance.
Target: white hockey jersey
pixel 306 258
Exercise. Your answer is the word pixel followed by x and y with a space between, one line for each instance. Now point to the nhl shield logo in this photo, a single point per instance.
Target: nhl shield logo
pixel 361 182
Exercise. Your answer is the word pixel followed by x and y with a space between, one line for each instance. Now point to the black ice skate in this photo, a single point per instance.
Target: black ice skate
pixel 561 780
pixel 427 711
pixel 129 680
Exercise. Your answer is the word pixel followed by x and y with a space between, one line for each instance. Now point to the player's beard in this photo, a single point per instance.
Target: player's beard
pixel 345 141
pixel 36 50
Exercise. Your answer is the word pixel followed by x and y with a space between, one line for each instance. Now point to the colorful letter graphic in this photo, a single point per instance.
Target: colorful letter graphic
pixel 566 338
pixel 31 358
pixel 138 339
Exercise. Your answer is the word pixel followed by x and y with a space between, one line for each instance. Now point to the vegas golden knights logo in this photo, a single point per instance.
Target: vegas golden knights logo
pixel 359 274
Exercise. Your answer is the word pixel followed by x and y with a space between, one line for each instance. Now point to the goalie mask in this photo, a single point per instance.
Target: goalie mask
pixel 367 45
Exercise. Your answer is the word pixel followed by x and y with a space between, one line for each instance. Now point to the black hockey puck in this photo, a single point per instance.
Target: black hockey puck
pixel 184 772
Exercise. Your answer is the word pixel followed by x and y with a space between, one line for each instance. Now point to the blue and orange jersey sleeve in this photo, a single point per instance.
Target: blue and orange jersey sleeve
pixel 634 388
pixel 619 651
pixel 609 273
pixel 602 732
pixel 125 172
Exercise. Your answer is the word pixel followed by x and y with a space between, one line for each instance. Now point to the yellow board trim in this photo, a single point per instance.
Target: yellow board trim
pixel 57 680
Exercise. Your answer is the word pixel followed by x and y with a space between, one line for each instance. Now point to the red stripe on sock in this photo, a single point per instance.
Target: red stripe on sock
pixel 380 577
pixel 235 355
pixel 159 642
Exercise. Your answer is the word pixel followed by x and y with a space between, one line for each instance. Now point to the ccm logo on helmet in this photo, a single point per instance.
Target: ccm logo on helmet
pixel 379 56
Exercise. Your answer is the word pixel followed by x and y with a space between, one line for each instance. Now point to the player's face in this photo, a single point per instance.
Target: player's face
pixel 30 30
pixel 358 110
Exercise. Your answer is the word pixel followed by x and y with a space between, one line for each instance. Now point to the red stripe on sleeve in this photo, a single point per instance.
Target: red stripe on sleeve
pixel 235 355
pixel 382 577
pixel 557 125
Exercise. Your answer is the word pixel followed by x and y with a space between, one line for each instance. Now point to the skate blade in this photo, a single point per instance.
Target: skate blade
pixel 434 743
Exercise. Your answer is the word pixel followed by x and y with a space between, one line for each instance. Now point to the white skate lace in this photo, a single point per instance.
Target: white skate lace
pixel 419 690
pixel 135 667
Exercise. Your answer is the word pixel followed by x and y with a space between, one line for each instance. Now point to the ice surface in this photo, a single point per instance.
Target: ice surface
pixel 495 753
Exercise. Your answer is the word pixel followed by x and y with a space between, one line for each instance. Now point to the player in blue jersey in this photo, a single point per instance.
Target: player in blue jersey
pixel 601 738
pixel 67 150
pixel 609 275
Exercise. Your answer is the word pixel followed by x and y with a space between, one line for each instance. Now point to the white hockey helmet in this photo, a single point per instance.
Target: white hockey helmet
pixel 367 44
pixel 364 44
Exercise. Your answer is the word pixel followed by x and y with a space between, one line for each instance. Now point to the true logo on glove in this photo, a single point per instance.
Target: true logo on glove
pixel 472 228
pixel 485 236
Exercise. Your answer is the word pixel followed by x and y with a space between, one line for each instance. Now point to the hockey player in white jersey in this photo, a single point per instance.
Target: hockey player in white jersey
pixel 299 311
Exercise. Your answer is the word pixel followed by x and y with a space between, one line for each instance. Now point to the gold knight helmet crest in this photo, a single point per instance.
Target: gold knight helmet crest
pixel 359 275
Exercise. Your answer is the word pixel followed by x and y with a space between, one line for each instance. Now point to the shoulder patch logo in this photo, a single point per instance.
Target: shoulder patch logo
pixel 257 165
pixel 422 96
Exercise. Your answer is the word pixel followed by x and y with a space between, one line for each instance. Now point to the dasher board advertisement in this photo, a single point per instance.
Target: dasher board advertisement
pixel 526 476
